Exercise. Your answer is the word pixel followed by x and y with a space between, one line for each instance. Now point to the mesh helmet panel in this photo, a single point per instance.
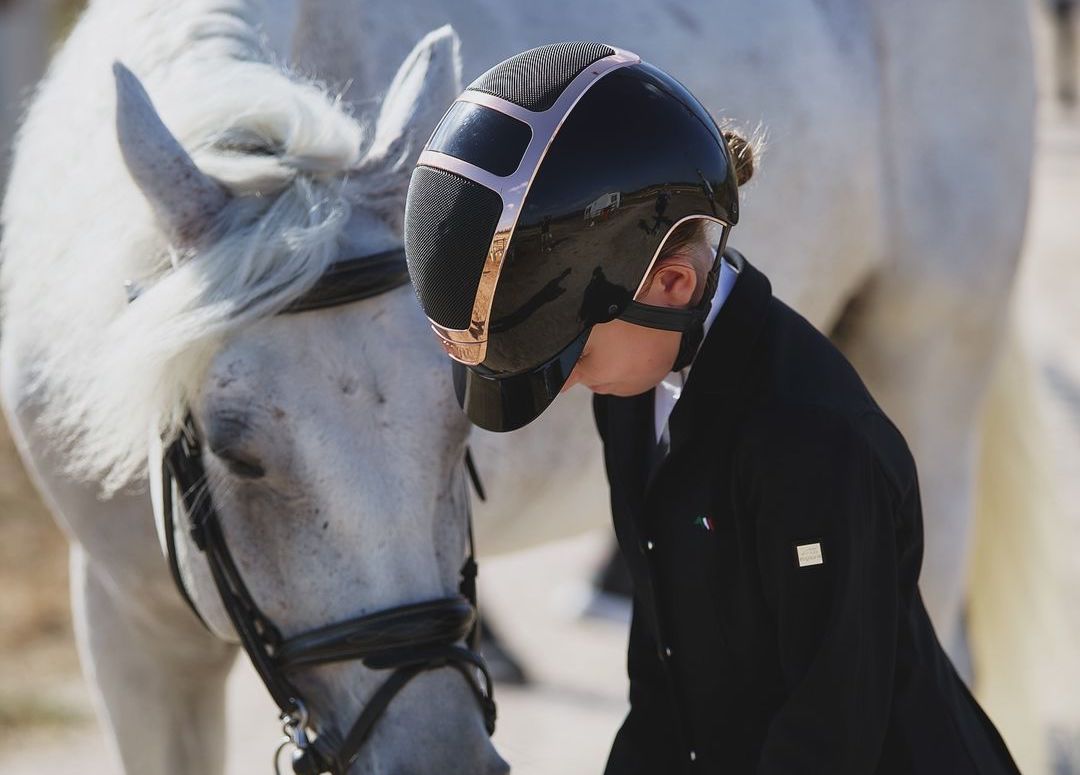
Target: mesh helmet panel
pixel 534 79
pixel 449 228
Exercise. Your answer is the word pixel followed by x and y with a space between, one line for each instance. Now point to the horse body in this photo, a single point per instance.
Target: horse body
pixel 822 172
pixel 892 184
pixel 890 210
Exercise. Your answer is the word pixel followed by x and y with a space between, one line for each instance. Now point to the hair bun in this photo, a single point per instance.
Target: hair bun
pixel 742 154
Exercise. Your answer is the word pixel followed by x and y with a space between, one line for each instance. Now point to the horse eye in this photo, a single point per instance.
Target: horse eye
pixel 241 465
pixel 228 434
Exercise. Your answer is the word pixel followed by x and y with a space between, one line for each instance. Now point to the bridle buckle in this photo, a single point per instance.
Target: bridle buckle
pixel 294 726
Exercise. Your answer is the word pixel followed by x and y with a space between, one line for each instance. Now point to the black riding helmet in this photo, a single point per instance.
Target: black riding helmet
pixel 538 207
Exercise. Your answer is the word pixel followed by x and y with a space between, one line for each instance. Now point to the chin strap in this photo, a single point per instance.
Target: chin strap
pixel 689 344
pixel 691 322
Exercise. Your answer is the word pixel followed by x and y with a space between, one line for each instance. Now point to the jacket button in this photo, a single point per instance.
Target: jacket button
pixel 667 651
pixel 650 545
pixel 693 756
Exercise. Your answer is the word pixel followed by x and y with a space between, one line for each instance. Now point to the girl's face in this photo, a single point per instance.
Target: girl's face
pixel 624 359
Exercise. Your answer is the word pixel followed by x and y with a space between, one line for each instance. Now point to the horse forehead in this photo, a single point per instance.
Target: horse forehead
pixel 377 341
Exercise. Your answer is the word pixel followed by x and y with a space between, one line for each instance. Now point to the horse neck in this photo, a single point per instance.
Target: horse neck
pixel 318 36
pixel 325 42
pixel 196 30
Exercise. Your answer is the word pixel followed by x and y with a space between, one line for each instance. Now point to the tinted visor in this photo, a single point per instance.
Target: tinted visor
pixel 506 403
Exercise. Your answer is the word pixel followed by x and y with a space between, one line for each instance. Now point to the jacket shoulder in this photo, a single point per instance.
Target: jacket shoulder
pixel 808 386
pixel 816 439
pixel 803 365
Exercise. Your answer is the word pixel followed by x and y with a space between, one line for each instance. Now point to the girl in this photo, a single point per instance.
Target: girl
pixel 567 223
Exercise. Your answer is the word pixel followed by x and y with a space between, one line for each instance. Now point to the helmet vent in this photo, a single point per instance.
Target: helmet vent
pixel 534 79
pixel 449 225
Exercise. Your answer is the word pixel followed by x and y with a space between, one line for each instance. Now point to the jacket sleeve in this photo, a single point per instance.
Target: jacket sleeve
pixel 813 479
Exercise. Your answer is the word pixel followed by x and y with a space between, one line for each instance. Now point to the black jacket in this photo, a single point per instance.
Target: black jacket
pixel 752 650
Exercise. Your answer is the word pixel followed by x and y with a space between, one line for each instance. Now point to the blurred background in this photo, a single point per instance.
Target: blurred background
pixel 565 718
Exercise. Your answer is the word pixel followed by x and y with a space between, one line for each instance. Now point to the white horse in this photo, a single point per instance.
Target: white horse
pixel 895 187
pixel 224 199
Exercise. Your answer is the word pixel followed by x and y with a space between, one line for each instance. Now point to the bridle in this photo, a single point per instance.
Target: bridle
pixel 407 640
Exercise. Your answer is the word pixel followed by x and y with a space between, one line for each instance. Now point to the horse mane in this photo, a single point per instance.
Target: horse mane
pixel 76 228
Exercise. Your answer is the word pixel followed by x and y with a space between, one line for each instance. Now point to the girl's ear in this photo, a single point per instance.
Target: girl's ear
pixel 672 285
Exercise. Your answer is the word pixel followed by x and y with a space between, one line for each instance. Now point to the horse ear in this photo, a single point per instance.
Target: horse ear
pixel 184 199
pixel 426 83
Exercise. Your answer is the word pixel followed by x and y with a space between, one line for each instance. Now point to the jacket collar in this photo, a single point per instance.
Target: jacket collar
pixel 710 398
pixel 723 366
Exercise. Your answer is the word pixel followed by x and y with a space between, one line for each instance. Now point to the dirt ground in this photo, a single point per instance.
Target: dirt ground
pixel 565 722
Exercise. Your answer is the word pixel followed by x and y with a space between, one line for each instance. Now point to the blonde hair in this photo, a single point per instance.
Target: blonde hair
pixel 694 241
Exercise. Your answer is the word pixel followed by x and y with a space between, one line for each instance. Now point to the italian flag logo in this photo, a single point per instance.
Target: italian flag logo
pixel 705 523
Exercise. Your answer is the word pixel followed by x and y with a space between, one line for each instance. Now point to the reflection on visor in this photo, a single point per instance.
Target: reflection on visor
pixel 466 131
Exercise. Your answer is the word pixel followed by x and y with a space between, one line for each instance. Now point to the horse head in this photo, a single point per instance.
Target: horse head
pixel 330 445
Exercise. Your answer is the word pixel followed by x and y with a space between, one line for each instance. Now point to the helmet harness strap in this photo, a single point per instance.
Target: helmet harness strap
pixel 691 321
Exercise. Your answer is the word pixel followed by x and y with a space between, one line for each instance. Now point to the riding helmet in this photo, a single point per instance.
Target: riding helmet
pixel 538 207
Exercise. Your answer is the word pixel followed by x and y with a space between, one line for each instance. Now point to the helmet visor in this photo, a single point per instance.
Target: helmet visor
pixel 508 402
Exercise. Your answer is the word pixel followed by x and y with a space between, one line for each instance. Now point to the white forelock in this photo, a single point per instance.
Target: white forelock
pixel 77 227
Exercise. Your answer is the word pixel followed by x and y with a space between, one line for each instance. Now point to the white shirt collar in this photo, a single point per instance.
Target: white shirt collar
pixel 669 390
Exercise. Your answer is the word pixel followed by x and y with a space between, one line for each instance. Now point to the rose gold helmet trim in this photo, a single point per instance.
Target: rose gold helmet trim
pixel 469 345
pixel 725 229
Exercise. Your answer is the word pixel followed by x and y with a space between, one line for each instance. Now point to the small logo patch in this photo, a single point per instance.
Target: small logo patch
pixel 704 522
pixel 809 554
